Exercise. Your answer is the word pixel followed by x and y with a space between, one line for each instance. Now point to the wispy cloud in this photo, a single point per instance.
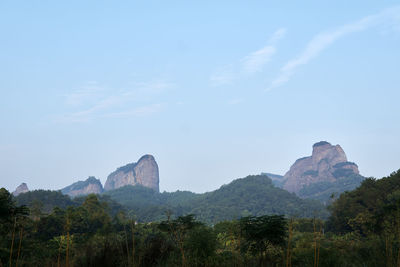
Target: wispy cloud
pixel 250 64
pixel 87 92
pixel 92 112
pixel 98 102
pixel 278 34
pixel 222 76
pixel 235 101
pixel 255 61
pixel 137 112
pixel 388 19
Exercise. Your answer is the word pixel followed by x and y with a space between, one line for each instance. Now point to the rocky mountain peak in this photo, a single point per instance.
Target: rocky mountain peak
pixel 143 172
pixel 326 164
pixel 324 150
pixel 22 188
pixel 90 186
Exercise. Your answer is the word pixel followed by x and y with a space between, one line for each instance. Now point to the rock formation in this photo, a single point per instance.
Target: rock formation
pixel 144 172
pixel 22 188
pixel 90 186
pixel 326 164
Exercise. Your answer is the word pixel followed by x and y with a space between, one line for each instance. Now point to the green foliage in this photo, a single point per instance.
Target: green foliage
pixel 8 207
pixel 253 195
pixel 256 196
pixel 342 172
pixel 321 143
pixel 323 190
pixel 47 199
pixel 371 208
pixel 363 230
pixel 261 232
pixel 201 243
pixel 277 179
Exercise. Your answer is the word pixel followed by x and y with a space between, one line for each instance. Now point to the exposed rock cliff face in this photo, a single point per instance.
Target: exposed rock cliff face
pixel 22 188
pixel 326 164
pixel 90 186
pixel 144 172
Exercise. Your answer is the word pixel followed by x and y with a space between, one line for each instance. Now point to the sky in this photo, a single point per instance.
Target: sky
pixel 214 90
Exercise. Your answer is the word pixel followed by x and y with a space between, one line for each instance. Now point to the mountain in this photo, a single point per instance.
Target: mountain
pixel 90 186
pixel 253 195
pixel 277 179
pixel 22 188
pixel 144 172
pixel 325 172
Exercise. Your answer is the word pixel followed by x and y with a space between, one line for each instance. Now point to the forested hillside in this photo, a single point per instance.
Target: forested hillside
pixel 324 191
pixel 253 195
pixel 374 207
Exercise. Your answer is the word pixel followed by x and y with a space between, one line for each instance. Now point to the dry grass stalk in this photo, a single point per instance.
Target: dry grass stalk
pixel 12 240
pixel 133 242
pixel 19 246
pixel 288 252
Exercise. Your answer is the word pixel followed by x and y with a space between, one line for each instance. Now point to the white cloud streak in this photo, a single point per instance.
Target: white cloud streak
pixel 250 64
pixel 278 34
pixel 235 101
pixel 101 103
pixel 388 18
pixel 222 76
pixel 137 112
pixel 87 92
pixel 255 61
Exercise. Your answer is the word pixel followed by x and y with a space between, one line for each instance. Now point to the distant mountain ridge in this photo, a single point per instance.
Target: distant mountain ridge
pixel 143 172
pixel 324 174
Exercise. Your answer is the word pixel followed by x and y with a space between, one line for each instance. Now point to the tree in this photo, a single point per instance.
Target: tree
pixel 178 229
pixel 260 233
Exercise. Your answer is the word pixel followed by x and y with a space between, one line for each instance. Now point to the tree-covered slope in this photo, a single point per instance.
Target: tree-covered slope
pixel 277 179
pixel 44 200
pixel 149 205
pixel 253 195
pixel 369 208
pixel 325 190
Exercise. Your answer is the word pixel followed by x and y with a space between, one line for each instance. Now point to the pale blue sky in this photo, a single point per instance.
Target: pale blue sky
pixel 215 91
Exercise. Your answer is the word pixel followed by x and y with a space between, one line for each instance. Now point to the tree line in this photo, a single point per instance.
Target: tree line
pixel 362 230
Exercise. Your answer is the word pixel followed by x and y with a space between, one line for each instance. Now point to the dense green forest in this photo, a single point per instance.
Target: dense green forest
pixel 253 195
pixel 362 230
pixel 324 191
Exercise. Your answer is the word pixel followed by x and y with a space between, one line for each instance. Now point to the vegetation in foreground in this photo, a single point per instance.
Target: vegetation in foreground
pixel 363 230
